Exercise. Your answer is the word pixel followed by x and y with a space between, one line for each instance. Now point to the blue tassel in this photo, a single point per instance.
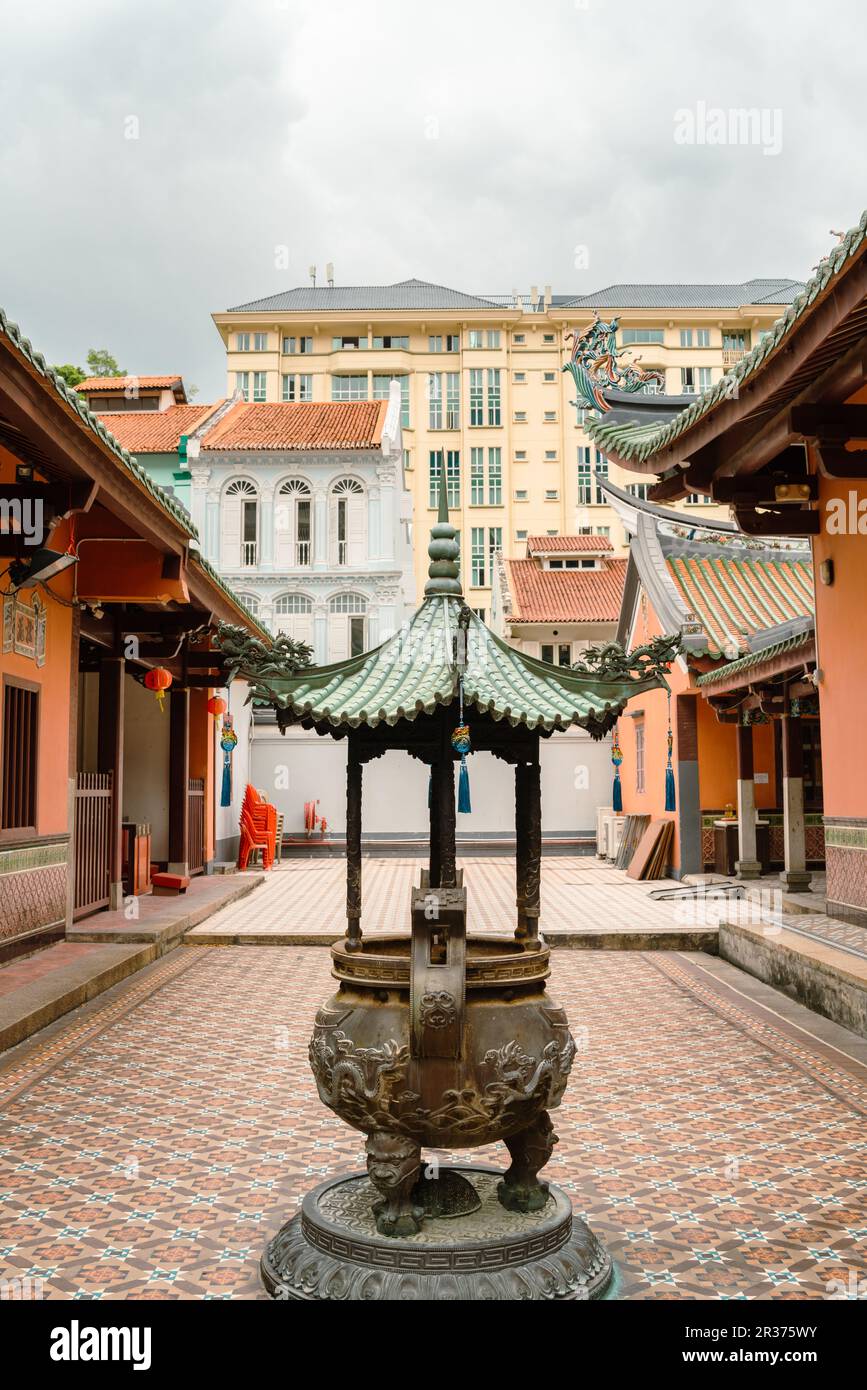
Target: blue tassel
pixel 670 804
pixel 226 791
pixel 617 795
pixel 464 789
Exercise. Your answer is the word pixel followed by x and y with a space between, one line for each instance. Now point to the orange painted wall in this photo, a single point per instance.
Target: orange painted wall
pixel 842 648
pixel 717 747
pixel 202 759
pixel 53 680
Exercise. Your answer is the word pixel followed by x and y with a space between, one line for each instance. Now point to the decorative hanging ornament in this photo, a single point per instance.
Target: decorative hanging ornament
pixel 159 680
pixel 217 705
pixel 461 744
pixel 670 800
pixel 228 743
pixel 617 759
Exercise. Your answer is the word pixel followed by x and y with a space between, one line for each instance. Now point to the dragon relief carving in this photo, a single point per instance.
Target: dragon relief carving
pixel 368 1087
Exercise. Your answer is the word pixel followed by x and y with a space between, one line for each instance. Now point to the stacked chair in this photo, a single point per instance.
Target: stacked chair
pixel 258 829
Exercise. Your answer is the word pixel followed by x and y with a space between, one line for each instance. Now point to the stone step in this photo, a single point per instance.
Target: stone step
pixel 41 988
pixel 824 977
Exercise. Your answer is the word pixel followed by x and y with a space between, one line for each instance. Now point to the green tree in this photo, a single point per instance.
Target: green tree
pixel 101 363
pixel 71 375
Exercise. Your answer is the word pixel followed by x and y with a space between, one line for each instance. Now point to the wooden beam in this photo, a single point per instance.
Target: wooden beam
pixel 837 462
pixel 835 422
pixel 791 522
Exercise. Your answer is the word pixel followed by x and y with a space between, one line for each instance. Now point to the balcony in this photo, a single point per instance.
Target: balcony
pixel 732 356
pixel 302 554
pixel 249 554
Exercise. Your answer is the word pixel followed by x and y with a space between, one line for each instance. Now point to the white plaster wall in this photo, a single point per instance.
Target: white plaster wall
pixel 146 763
pixel 576 778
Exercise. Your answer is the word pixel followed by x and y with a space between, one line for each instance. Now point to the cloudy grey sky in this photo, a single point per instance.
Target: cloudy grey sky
pixel 482 144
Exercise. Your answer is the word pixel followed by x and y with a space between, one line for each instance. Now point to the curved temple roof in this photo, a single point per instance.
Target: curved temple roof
pixel 419 668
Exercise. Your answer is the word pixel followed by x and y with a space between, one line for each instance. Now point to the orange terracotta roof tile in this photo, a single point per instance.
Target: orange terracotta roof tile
pixel 154 431
pixel 313 425
pixel 564 596
pixel 110 384
pixel 539 545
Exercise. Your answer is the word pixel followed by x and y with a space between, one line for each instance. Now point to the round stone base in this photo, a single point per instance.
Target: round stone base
pixel 332 1251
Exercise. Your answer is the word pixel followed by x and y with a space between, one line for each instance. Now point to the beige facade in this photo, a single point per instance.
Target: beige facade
pixel 485 390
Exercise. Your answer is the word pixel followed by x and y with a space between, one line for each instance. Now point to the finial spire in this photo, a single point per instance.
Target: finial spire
pixel 443 571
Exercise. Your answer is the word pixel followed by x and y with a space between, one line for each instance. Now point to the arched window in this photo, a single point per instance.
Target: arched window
pixel 250 602
pixel 347 523
pixel 239 525
pixel 347 626
pixel 293 614
pixel 293 525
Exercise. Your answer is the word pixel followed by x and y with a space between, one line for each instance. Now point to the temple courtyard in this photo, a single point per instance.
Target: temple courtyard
pixel 152 1140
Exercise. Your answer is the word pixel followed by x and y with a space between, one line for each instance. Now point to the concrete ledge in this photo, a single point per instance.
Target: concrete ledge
pixel 36 991
pixel 828 981
pixel 654 940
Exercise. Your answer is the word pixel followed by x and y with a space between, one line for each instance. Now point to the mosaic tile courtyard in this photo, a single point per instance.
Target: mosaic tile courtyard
pixel 151 1142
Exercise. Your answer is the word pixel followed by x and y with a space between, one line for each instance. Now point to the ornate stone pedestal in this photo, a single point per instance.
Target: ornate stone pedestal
pixel 331 1250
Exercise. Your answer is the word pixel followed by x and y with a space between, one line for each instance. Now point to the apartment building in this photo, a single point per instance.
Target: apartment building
pixel 484 394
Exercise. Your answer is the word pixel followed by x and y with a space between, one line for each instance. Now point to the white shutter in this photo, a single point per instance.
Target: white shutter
pixel 332 530
pixel 299 626
pixel 230 532
pixel 284 531
pixel 356 529
pixel 338 637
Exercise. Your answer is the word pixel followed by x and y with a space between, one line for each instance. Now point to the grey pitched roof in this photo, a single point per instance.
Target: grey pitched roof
pixel 420 294
pixel 406 294
pixel 690 296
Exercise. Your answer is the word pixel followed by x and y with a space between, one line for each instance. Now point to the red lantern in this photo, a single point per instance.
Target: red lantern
pixel 159 679
pixel 217 705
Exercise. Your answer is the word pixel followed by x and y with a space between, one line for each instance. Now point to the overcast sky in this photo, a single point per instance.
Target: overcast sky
pixel 482 144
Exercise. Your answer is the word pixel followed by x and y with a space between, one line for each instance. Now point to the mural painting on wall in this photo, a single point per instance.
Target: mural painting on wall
pixel 24 627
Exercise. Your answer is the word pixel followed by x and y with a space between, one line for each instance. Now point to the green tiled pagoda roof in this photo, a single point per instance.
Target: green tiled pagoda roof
pixel 757 658
pixel 630 441
pixel 414 671
pixel 737 595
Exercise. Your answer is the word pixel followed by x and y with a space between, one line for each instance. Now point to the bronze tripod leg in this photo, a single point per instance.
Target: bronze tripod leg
pixel 529 1150
pixel 393 1165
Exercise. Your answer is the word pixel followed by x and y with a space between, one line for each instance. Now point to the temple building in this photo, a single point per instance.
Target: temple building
pixel 785 445
pixel 108 669
pixel 743 611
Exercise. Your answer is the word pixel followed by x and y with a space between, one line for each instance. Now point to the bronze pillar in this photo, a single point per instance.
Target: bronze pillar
pixel 179 781
pixel 528 848
pixel 112 671
pixel 434 864
pixel 353 848
pixel 446 815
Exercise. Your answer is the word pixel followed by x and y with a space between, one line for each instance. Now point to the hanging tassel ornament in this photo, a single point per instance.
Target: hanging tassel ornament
pixel 670 802
pixel 228 743
pixel 461 744
pixel 617 759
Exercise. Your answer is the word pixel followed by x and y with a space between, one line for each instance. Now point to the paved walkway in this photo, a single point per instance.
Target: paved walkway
pixel 306 899
pixel 153 1140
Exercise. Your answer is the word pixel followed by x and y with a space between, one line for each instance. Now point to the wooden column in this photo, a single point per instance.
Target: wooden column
pixel 434 863
pixel 747 865
pixel 179 781
pixel 354 769
pixel 109 752
pixel 794 877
